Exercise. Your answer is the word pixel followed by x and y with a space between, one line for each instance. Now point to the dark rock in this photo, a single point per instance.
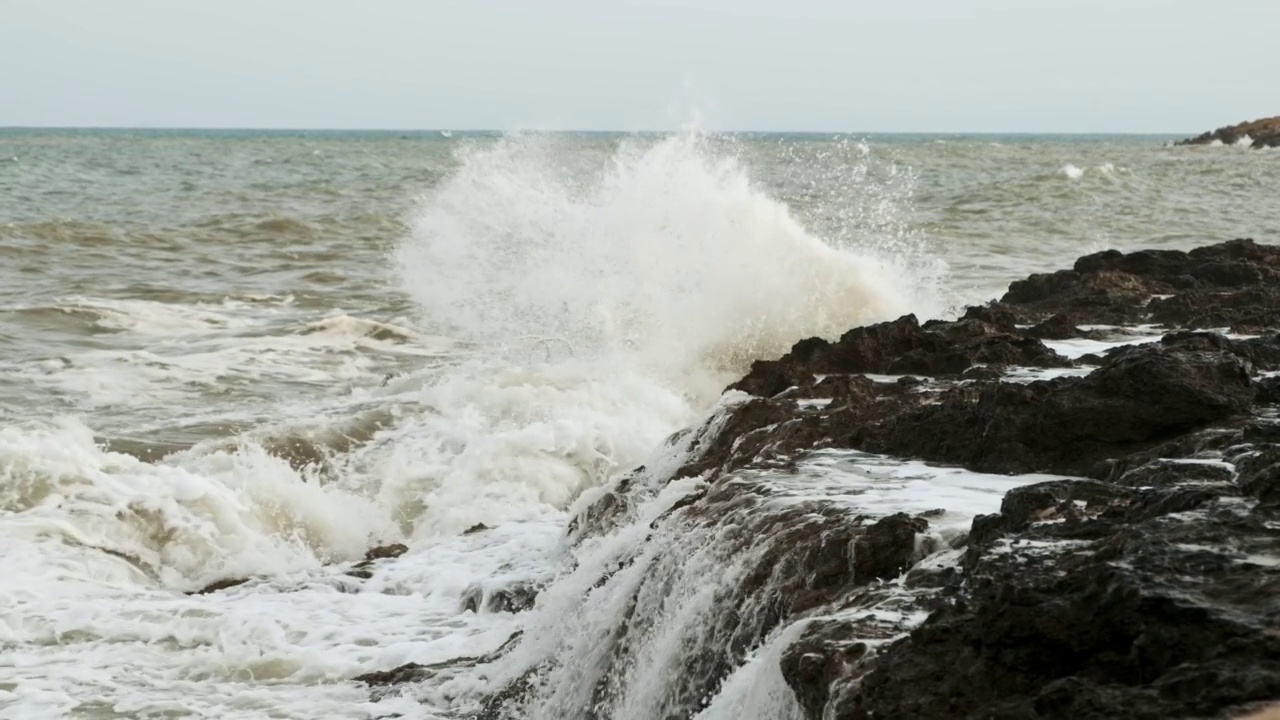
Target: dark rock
pixel 1164 473
pixel 409 672
pixel 219 585
pixel 1263 133
pixel 513 598
pixel 825 655
pixel 414 672
pixel 1229 284
pixel 385 552
pixel 1055 327
pixel 1108 628
pixel 901 347
pixel 1065 425
pixel 1149 589
pixel 477 528
pixel 887 548
pixel 1259 473
pixel 983 372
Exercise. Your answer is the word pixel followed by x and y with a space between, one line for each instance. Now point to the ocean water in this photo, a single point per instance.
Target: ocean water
pixel 258 354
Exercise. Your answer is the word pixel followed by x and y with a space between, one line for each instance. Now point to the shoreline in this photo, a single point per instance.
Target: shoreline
pixel 1117 592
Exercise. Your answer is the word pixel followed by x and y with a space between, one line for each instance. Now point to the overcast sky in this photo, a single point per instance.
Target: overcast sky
pixel 852 65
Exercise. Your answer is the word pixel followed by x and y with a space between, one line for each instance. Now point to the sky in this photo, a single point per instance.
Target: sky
pixel 1171 66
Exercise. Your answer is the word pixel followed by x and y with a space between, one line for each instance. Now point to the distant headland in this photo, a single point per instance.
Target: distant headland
pixel 1260 133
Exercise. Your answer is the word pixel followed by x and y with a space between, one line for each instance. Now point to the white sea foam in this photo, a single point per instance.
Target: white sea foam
pixel 671 259
pixel 587 320
pixel 1072 172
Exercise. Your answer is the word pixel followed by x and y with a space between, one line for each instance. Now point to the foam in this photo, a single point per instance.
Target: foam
pixel 671 259
pixel 570 320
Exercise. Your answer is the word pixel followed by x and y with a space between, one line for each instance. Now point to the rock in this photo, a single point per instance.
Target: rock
pixel 363 570
pixel 414 672
pixel 409 672
pixel 1230 280
pixel 385 552
pixel 900 347
pixel 1147 586
pixel 822 659
pixel 1073 600
pixel 1095 619
pixel 1055 327
pixel 1065 425
pixel 1261 133
pixel 512 598
pixel 219 585
pixel 887 548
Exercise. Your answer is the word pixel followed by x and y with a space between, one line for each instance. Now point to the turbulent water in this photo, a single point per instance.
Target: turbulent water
pixel 258 355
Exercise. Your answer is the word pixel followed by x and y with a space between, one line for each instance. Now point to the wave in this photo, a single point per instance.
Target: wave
pixel 569 319
pixel 669 259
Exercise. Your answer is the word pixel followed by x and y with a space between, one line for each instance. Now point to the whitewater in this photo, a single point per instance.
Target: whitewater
pixel 562 328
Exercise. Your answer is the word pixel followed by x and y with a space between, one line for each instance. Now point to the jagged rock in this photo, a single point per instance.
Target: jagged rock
pixel 826 657
pixel 1065 425
pixel 1232 279
pixel 409 672
pixel 1262 133
pixel 415 672
pixel 385 552
pixel 363 570
pixel 219 585
pixel 513 598
pixel 1095 618
pixel 900 347
pixel 1055 327
pixel 1148 587
pixel 888 547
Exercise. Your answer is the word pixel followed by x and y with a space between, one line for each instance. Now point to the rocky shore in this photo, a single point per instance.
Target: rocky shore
pixel 1144 582
pixel 1148 588
pixel 1261 133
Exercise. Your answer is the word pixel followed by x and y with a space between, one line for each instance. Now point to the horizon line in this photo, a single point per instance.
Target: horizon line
pixel 577 130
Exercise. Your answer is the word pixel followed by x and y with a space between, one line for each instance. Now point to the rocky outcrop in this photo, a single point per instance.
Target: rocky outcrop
pixel 1146 587
pixel 1226 285
pixel 1087 599
pixel 1261 133
pixel 1148 591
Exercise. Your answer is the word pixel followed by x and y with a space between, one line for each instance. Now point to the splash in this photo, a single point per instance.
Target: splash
pixel 667 258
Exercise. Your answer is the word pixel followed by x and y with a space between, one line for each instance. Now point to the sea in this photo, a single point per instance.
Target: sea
pixel 256 355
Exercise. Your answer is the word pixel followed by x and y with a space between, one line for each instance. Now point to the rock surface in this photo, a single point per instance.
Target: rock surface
pixel 1150 591
pixel 1262 133
pixel 1146 587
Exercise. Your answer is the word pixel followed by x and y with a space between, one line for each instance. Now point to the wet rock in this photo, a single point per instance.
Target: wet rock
pixel 1259 473
pixel 219 585
pixel 1057 621
pixel 1055 327
pixel 415 672
pixel 1065 425
pixel 385 552
pixel 820 661
pixel 1165 473
pixel 363 570
pixel 1217 285
pixel 409 672
pixel 900 347
pixel 888 547
pixel 512 598
pixel 1146 586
